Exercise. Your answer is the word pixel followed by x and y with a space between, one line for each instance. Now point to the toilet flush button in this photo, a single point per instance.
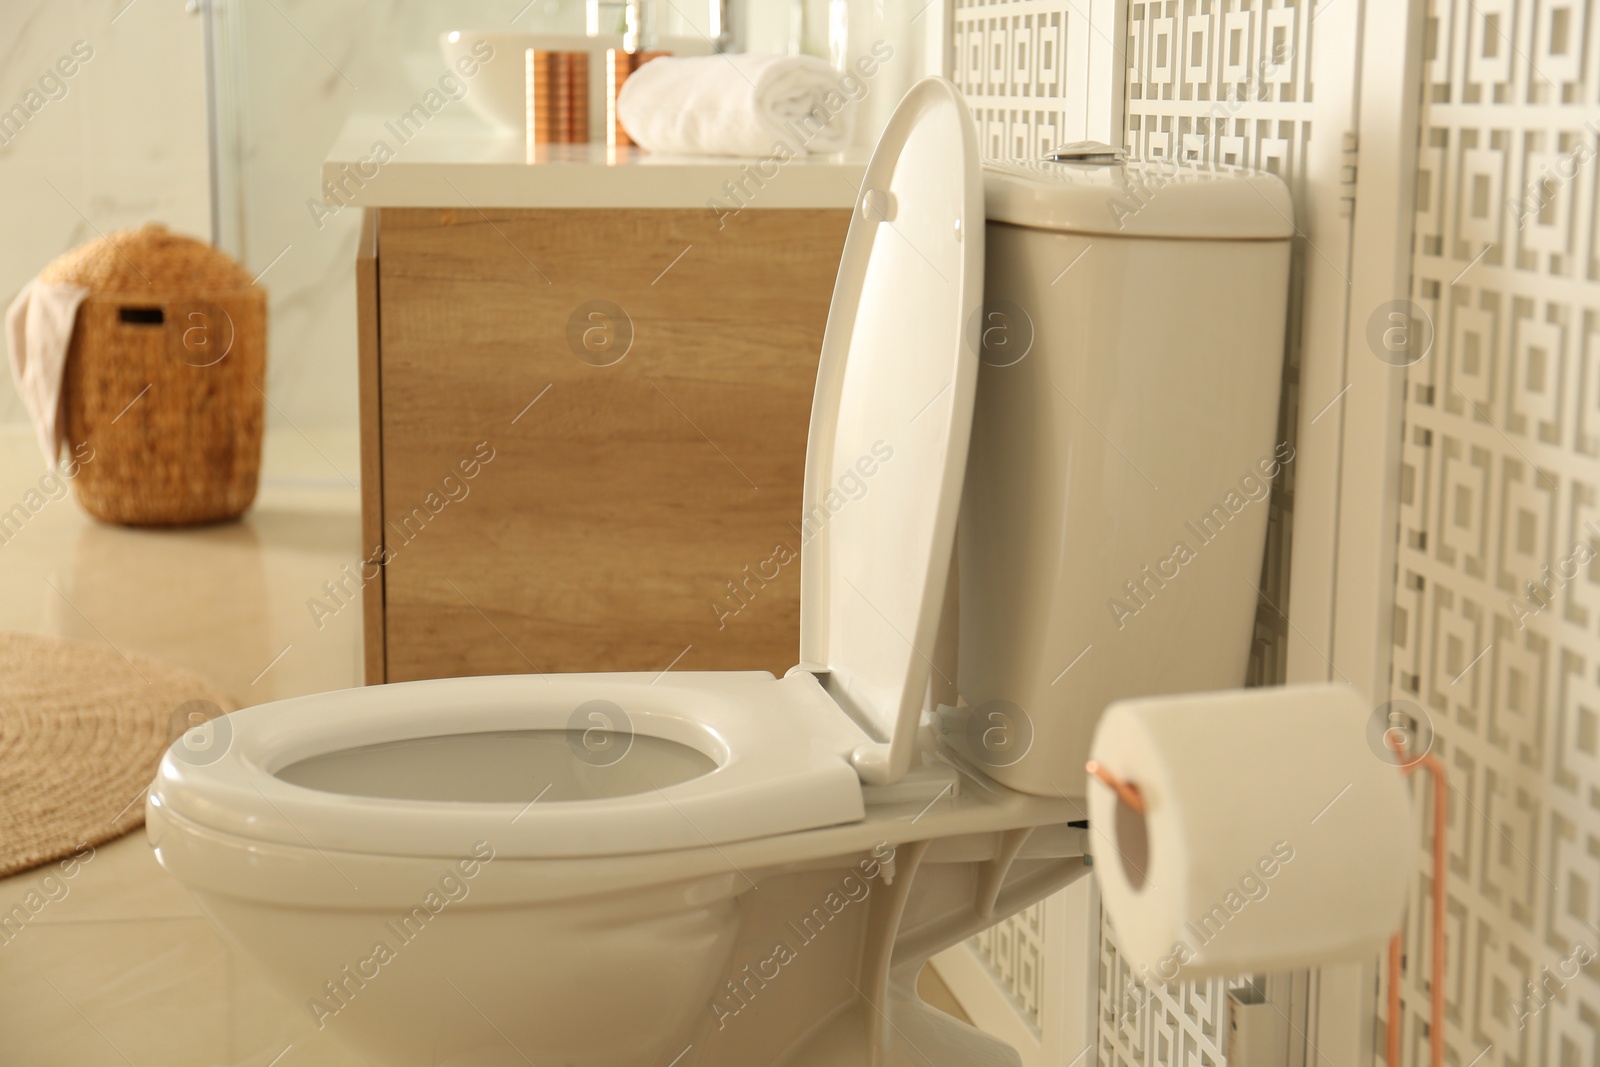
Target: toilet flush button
pixel 1096 153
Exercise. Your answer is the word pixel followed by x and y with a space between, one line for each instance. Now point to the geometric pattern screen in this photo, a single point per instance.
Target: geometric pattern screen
pixel 1014 953
pixel 1010 59
pixel 1497 619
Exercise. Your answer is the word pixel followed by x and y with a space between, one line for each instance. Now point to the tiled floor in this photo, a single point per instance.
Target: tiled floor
pixel 123 971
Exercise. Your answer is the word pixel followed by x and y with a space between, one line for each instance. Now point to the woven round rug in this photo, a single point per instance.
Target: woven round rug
pixel 82 730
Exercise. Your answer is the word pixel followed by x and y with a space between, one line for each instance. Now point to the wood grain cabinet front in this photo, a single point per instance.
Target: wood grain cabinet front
pixel 584 436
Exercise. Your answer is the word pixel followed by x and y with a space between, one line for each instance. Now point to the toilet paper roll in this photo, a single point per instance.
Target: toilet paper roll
pixel 1275 834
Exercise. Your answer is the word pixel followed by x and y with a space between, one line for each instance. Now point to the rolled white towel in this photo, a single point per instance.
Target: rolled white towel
pixel 736 105
pixel 38 331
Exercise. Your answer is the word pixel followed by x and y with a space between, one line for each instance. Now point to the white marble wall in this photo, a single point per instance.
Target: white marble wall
pixel 123 143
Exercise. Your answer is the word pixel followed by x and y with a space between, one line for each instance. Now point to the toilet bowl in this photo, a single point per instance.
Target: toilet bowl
pixel 398 860
pixel 731 868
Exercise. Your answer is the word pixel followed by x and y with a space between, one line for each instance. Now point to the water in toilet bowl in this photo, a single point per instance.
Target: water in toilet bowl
pixel 503 766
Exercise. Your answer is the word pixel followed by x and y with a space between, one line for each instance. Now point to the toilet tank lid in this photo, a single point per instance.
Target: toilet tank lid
pixel 1148 198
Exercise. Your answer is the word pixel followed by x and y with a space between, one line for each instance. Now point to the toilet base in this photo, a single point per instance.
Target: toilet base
pixel 800 950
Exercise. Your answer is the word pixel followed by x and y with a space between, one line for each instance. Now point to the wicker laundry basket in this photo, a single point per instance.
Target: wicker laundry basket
pixel 164 379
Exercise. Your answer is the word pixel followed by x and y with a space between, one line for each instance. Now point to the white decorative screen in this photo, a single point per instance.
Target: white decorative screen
pixel 1501 488
pixel 1147 1023
pixel 1025 69
pixel 1014 953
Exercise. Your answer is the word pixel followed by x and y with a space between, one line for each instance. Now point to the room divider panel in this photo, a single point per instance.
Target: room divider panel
pixel 1496 651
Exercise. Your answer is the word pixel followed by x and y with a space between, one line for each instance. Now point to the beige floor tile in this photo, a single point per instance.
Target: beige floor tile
pixel 156 992
pixel 122 969
pixel 228 601
pixel 121 881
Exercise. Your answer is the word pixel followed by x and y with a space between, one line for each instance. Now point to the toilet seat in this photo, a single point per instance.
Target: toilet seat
pixel 891 418
pixel 886 455
pixel 781 748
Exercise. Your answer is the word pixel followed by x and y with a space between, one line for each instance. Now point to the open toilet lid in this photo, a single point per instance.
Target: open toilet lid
pixel 890 423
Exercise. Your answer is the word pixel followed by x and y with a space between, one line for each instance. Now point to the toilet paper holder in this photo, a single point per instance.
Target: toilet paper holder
pixel 1126 790
pixel 1129 794
pixel 1441 794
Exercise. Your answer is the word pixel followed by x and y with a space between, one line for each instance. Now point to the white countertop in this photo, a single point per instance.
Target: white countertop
pixel 453 162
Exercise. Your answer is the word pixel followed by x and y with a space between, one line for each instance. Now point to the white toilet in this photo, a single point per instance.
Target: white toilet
pixel 730 869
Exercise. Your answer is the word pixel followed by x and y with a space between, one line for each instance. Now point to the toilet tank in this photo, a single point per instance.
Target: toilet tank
pixel 1123 445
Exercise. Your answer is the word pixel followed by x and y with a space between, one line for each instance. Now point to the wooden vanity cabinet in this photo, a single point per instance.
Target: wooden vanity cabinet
pixel 583 436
